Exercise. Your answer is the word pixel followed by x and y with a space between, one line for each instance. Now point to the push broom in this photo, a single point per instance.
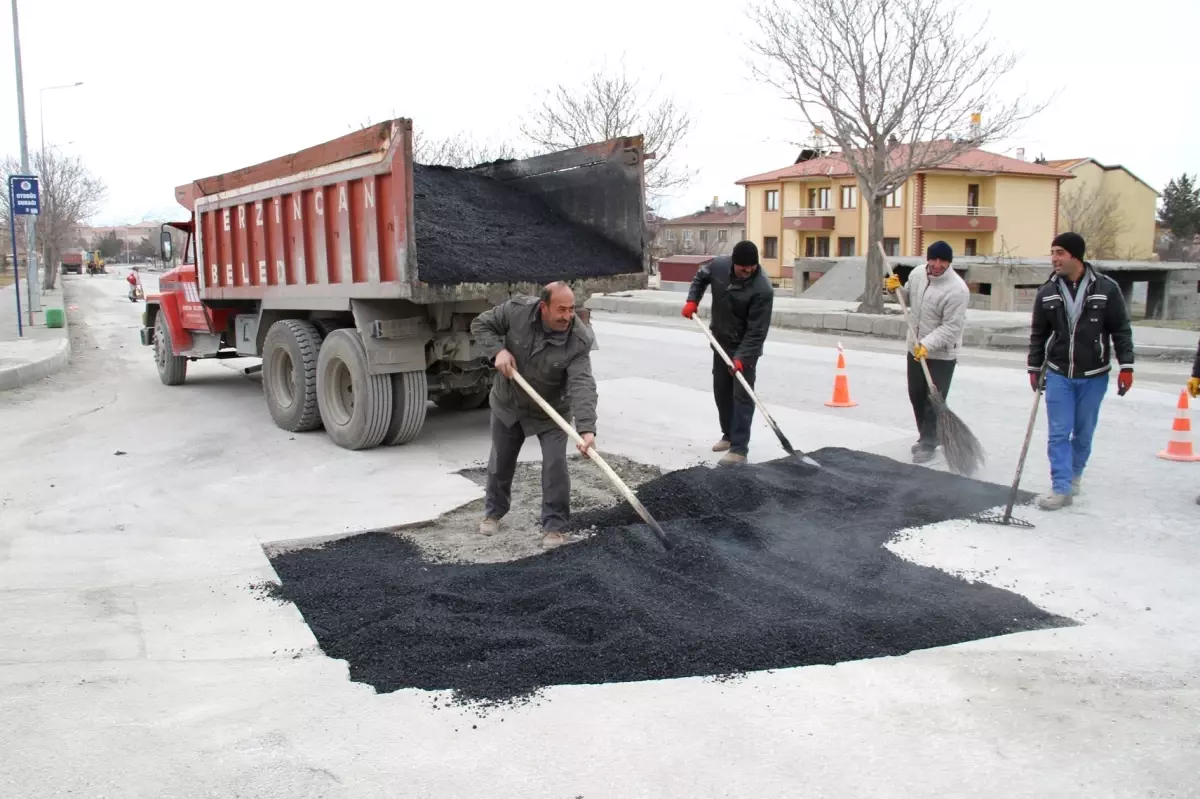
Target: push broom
pixel 964 453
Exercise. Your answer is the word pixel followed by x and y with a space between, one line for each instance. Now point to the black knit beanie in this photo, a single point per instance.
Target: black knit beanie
pixel 1072 243
pixel 745 253
pixel 941 251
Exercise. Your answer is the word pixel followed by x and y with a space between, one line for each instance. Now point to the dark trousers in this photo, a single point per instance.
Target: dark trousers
pixel 556 480
pixel 918 394
pixel 735 409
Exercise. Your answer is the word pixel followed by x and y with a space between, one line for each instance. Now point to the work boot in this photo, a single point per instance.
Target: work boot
pixel 1054 501
pixel 732 459
pixel 917 446
pixel 1075 486
pixel 721 446
pixel 924 454
pixel 553 540
pixel 489 526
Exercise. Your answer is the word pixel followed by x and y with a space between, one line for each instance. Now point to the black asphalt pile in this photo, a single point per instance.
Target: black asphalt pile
pixel 772 567
pixel 474 229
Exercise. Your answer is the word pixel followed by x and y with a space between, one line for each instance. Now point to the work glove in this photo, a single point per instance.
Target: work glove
pixel 738 366
pixel 920 353
pixel 1124 382
pixel 891 283
pixel 1194 387
pixel 689 310
pixel 1035 380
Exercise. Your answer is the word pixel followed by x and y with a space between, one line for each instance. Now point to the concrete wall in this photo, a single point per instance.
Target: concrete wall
pixel 1025 212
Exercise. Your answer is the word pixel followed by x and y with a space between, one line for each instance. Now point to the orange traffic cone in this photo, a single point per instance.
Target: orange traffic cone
pixel 1179 448
pixel 841 384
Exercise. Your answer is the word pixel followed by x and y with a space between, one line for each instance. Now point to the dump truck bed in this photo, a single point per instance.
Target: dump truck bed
pixel 354 218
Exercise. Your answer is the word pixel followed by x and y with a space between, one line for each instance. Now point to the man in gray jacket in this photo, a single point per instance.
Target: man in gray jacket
pixel 540 338
pixel 937 301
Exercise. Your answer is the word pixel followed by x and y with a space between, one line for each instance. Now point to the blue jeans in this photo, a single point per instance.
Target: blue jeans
pixel 1073 408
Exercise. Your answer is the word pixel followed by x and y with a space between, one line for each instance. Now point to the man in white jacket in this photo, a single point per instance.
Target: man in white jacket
pixel 937 299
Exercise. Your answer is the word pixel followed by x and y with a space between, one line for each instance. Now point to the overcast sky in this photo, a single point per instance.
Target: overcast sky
pixel 174 91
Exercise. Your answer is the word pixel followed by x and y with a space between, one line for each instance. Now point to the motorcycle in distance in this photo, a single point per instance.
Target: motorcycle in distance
pixel 135 287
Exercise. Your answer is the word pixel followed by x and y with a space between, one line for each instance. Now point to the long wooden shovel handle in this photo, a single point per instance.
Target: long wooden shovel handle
pixel 729 362
pixel 908 320
pixel 595 458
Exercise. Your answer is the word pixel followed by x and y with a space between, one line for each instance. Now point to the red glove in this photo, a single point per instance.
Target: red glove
pixel 690 309
pixel 1035 378
pixel 1124 382
pixel 738 366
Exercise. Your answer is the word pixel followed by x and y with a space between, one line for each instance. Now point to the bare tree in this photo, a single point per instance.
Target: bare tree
pixel 895 84
pixel 608 105
pixel 459 151
pixel 70 194
pixel 1096 215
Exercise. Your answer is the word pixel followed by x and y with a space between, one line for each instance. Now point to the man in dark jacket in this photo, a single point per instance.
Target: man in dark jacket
pixel 741 317
pixel 1079 320
pixel 540 338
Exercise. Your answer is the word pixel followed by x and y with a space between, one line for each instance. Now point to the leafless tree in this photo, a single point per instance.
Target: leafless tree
pixel 70 193
pixel 610 104
pixel 1096 215
pixel 893 83
pixel 458 151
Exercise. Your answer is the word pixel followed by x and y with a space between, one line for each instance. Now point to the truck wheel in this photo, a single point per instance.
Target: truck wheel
pixel 356 406
pixel 290 374
pixel 172 368
pixel 410 398
pixel 462 400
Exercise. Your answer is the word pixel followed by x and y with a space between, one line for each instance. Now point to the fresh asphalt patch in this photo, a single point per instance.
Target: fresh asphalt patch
pixel 772 567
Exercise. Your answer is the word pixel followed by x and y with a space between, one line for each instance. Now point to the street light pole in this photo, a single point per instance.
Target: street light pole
pixel 30 233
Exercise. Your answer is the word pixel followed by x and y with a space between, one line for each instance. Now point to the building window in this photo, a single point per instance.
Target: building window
pixel 670 234
pixel 722 235
pixel 816 247
pixel 687 235
pixel 893 199
pixel 773 200
pixel 771 247
pixel 849 198
pixel 846 246
pixel 970 247
pixel 819 199
pixel 704 236
pixel 891 247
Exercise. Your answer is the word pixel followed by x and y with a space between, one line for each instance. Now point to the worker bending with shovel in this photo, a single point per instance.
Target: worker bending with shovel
pixel 540 338
pixel 742 299
pixel 937 300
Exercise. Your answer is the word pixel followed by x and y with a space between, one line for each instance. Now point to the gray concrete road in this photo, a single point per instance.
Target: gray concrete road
pixel 135 662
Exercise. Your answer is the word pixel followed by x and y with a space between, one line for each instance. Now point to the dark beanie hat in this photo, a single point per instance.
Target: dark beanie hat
pixel 941 251
pixel 745 253
pixel 1072 243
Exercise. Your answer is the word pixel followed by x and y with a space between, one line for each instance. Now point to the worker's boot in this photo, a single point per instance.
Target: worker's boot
pixel 732 459
pixel 1075 486
pixel 489 526
pixel 1054 501
pixel 553 540
pixel 924 454
pixel 721 446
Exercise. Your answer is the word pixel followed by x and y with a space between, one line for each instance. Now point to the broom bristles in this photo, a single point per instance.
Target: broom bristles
pixel 964 453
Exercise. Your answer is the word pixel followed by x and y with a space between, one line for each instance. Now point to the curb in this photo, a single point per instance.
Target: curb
pixel 18 376
pixel 855 324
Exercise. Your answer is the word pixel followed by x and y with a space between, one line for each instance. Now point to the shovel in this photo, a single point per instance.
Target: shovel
pixel 595 458
pixel 787 445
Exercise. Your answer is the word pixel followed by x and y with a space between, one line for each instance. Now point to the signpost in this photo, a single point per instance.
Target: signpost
pixel 24 200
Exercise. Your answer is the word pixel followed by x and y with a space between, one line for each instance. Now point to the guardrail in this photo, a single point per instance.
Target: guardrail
pixel 809 212
pixel 958 210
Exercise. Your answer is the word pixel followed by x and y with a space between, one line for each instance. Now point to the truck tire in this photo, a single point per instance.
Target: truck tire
pixel 356 406
pixel 289 374
pixel 172 368
pixel 462 400
pixel 410 399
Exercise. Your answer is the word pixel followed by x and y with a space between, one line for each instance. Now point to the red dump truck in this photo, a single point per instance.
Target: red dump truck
pixel 71 262
pixel 311 263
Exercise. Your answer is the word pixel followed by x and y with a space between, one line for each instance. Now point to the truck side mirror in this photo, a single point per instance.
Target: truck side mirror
pixel 165 246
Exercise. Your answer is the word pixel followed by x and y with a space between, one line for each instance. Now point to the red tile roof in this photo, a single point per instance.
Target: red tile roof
pixel 976 160
pixel 710 218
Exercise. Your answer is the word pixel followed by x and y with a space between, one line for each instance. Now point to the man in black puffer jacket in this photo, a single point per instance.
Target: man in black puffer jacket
pixel 741 317
pixel 1079 321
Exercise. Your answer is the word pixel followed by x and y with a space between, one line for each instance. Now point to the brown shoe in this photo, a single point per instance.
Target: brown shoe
pixel 489 526
pixel 721 446
pixel 552 540
pixel 732 459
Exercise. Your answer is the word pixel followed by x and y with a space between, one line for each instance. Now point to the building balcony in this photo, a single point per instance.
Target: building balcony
pixel 808 219
pixel 967 218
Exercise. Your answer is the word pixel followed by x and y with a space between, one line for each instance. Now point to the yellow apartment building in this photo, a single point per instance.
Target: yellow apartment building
pixel 980 203
pixel 1133 205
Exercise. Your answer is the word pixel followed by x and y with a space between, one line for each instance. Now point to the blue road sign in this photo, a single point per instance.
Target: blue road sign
pixel 23 192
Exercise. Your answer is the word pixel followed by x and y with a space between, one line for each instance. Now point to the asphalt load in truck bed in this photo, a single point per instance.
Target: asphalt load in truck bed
pixel 771 567
pixel 474 229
